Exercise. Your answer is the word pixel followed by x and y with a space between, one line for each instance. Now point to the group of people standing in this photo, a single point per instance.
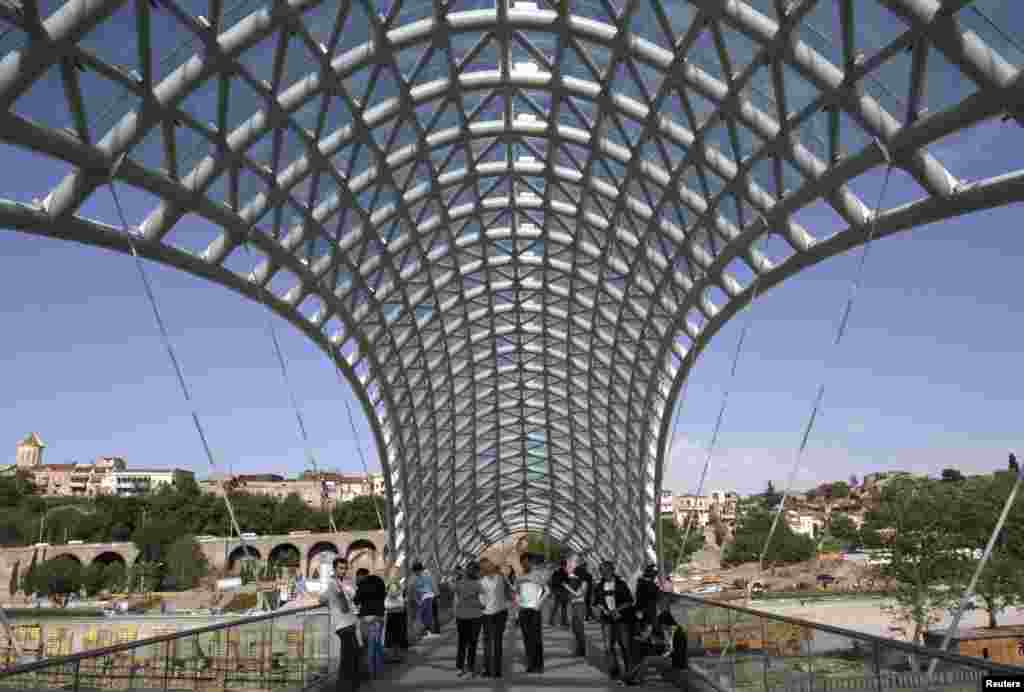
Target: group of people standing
pixel 368 617
pixel 484 598
pixel 371 616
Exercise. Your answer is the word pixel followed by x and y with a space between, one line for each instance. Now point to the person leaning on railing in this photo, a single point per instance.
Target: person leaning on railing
pixel 346 625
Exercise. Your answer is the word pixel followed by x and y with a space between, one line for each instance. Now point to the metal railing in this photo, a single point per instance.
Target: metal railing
pixel 279 651
pixel 737 648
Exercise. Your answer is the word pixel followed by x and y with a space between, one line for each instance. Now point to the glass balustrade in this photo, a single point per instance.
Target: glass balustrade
pixel 278 651
pixel 735 648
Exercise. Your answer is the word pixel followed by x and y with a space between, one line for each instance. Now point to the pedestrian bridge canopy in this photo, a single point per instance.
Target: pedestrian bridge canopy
pixel 513 225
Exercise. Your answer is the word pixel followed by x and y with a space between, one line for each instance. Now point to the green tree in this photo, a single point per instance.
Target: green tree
pixel 186 486
pixel 840 490
pixel 842 528
pixel 752 532
pixel 94 578
pixel 114 576
pixel 147 576
pixel 15 488
pixel 672 538
pixel 1001 584
pixel 830 544
pixel 923 551
pixel 543 545
pixel 187 563
pixel 771 497
pixel 12 527
pixel 59 578
pixel 154 539
pixel 358 514
pixel 292 514
pixel 14 585
pixel 120 532
pixel 952 476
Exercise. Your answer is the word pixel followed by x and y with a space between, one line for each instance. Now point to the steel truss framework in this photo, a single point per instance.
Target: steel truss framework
pixel 513 226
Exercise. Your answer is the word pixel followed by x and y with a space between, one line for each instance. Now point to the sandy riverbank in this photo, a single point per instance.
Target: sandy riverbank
pixel 866 615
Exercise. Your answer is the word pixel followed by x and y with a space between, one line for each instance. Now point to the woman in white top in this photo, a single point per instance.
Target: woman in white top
pixel 496 596
pixel 532 590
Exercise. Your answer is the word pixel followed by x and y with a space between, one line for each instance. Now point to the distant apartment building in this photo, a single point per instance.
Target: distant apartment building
pixel 699 509
pixel 693 509
pixel 805 523
pixel 104 476
pixel 315 489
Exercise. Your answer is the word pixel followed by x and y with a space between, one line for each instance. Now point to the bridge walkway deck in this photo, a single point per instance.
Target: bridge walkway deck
pixel 430 665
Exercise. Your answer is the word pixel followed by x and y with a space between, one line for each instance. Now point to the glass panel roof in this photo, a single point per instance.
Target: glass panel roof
pixel 505 217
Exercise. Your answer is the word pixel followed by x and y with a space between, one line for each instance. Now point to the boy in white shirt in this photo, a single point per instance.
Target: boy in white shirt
pixel 338 597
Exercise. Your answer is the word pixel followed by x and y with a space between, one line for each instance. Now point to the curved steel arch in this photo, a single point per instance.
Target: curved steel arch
pixel 513 225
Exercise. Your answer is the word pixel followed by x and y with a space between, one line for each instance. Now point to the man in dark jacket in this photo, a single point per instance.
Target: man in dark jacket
pixel 371 592
pixel 647 595
pixel 588 578
pixel 614 604
pixel 561 602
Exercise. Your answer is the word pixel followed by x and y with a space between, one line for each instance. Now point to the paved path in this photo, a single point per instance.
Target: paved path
pixel 430 665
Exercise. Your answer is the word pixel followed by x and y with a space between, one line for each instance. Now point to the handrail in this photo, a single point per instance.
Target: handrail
pixel 117 648
pixel 906 647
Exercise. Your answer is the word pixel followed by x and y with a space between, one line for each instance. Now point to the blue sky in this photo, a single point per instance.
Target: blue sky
pixel 927 377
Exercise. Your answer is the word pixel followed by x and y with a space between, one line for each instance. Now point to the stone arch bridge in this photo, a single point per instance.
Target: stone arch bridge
pixel 364 548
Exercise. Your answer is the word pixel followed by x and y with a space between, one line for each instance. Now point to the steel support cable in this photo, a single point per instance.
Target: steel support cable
pixel 855 284
pixel 296 409
pixel 962 606
pixel 713 442
pixel 165 337
pixel 359 448
pixel 671 444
